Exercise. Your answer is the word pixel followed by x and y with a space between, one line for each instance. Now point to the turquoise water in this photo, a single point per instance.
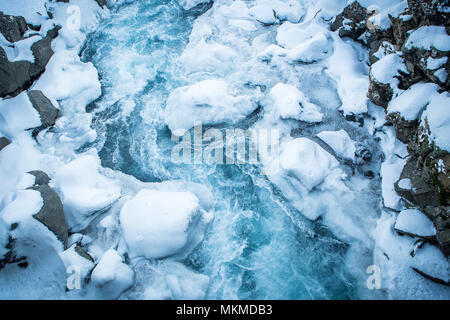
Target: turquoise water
pixel 258 246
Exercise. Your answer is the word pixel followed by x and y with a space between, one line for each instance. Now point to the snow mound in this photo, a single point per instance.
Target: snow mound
pixel 209 102
pixel 292 104
pixel 84 191
pixel 437 116
pixel 385 69
pixel 340 142
pixel 414 222
pixel 414 100
pixel 429 37
pixel 158 224
pixel 111 275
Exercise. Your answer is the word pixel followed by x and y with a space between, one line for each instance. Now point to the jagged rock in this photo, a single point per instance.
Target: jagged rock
pixel 52 212
pixel 13 28
pixel 79 249
pixel 441 219
pixel 383 46
pixel 18 76
pixel 400 28
pixel 47 112
pixel 101 3
pixel 420 194
pixel 4 142
pixel 430 12
pixel 404 129
pixel 379 93
pixel 351 22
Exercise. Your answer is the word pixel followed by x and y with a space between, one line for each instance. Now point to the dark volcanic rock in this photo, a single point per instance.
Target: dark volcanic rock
pixel 404 129
pixel 351 22
pixel 52 212
pixel 421 193
pixel 4 142
pixel 12 28
pixel 430 12
pixel 441 219
pixel 101 3
pixel 379 93
pixel 47 112
pixel 18 76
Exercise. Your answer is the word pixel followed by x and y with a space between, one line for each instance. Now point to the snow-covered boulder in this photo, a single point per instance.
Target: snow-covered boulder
pixel 158 224
pixel 208 102
pixel 437 118
pixel 293 104
pixel 84 191
pixel 304 172
pixel 413 101
pixel 111 276
pixel 414 223
pixel 340 142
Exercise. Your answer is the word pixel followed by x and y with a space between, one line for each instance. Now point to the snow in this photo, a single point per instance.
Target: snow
pixel 428 37
pixel 32 11
pixel 414 222
pixel 76 264
pixel 158 224
pixel 413 101
pixel 306 161
pixel 209 102
pixel 310 51
pixel 434 64
pixel 442 75
pixel 393 257
pixel 17 115
pixel 340 142
pixel 22 50
pixel 385 69
pixel 405 184
pixel 292 104
pixel 84 191
pixel 264 14
pixel 352 85
pixel 66 77
pixel 111 276
pixel 438 119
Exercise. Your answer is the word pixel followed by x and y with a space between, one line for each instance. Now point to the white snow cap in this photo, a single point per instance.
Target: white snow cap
pixel 292 104
pixel 438 117
pixel 111 275
pixel 340 142
pixel 429 37
pixel 413 221
pixel 208 101
pixel 414 100
pixel 158 224
pixel 84 191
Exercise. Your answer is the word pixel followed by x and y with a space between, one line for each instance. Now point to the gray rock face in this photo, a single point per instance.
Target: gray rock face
pixel 351 22
pixel 379 93
pixel 101 3
pixel 52 212
pixel 430 12
pixel 421 194
pixel 404 129
pixel 441 219
pixel 44 107
pixel 12 28
pixel 4 142
pixel 18 76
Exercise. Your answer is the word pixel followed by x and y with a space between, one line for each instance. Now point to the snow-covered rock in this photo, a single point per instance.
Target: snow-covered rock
pixel 437 116
pixel 158 224
pixel 208 102
pixel 340 142
pixel 84 191
pixel 111 276
pixel 292 104
pixel 413 222
pixel 428 37
pixel 414 100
